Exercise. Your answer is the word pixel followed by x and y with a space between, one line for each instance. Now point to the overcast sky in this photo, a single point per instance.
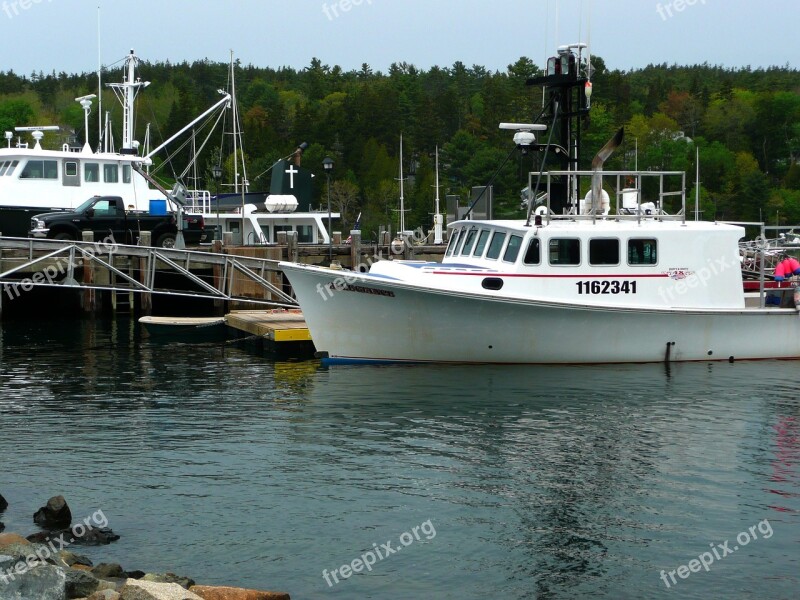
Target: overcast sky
pixel 61 35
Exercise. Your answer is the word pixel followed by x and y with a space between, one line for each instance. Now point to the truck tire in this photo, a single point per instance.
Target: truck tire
pixel 166 240
pixel 64 236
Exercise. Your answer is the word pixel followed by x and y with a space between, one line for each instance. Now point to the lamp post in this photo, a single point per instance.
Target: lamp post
pixel 327 163
pixel 216 172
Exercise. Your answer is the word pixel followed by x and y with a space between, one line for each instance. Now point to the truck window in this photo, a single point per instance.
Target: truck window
pixel 105 208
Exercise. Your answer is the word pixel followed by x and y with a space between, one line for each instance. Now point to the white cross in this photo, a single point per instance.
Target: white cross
pixel 291 171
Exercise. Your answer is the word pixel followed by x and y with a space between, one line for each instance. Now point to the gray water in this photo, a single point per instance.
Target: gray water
pixel 220 463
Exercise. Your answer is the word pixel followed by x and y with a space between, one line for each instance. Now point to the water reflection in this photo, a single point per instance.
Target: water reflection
pixel 541 481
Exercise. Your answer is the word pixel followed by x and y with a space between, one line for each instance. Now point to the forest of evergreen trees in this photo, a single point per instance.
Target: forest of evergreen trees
pixel 746 123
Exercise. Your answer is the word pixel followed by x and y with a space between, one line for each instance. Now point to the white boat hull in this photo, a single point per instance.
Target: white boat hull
pixel 376 319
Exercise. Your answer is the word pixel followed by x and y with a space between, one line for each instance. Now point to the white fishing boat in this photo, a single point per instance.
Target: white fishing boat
pixel 577 281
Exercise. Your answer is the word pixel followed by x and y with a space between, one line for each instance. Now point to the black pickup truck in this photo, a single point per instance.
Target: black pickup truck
pixel 106 215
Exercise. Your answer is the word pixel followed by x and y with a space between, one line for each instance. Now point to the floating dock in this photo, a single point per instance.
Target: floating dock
pixel 284 331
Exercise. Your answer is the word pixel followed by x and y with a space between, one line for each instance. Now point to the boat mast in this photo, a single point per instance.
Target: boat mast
pixel 126 93
pixel 437 217
pixel 402 204
pixel 99 89
pixel 697 188
pixel 235 130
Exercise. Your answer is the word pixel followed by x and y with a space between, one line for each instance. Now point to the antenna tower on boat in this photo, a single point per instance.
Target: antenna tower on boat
pixel 126 93
pixel 565 86
pixel 86 105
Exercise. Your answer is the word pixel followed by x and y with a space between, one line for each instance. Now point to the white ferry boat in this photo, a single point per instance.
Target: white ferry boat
pixel 617 281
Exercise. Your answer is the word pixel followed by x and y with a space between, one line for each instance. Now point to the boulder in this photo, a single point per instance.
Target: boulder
pixel 71 559
pixel 80 584
pixel 108 571
pixel 96 536
pixel 15 545
pixel 208 592
pixel 54 515
pixel 184 582
pixel 2 527
pixel 104 595
pixel 42 582
pixel 7 539
pixel 151 590
pixel 3 503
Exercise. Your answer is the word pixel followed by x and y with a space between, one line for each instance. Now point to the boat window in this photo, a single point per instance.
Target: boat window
pixel 305 234
pixel 3 166
pixel 467 249
pixel 91 172
pixel 71 169
pixel 565 252
pixel 40 169
pixel 496 244
pixel 126 173
pixel 110 173
pixel 642 252
pixel 453 242
pixel 481 244
pixel 512 250
pixel 604 252
pixel 533 255
pixel 10 170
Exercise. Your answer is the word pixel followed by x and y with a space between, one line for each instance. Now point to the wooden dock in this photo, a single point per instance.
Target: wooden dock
pixel 277 326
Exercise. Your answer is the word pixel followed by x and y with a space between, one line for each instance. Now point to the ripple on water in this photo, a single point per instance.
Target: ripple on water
pixel 556 482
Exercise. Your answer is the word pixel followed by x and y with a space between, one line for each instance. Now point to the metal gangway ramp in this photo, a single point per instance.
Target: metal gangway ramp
pixel 133 269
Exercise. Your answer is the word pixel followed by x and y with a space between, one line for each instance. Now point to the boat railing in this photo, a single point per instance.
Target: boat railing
pixel 629 188
pixel 198 201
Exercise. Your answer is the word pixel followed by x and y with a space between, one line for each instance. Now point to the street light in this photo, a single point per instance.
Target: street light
pixel 327 163
pixel 216 172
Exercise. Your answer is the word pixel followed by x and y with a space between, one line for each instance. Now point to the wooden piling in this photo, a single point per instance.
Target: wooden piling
pixel 291 242
pixel 355 249
pixel 89 298
pixel 145 298
pixel 219 305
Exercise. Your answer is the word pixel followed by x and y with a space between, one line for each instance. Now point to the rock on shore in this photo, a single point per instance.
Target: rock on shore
pixel 32 569
pixel 66 575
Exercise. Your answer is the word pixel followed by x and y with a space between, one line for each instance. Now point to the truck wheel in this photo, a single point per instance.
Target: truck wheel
pixel 64 236
pixel 166 240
